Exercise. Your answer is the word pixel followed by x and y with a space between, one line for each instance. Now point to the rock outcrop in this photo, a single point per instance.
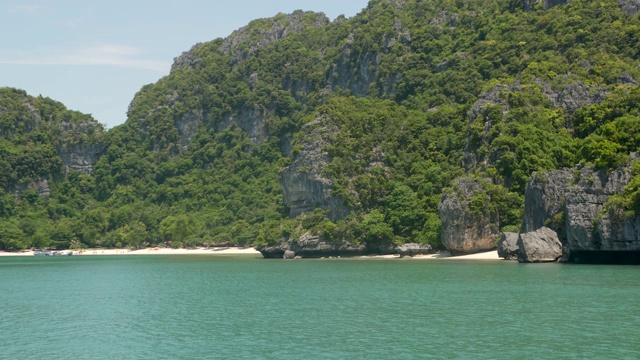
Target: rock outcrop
pixel 413 249
pixel 313 247
pixel 81 146
pixel 573 94
pixel 629 7
pixel 41 186
pixel 544 198
pixel 541 245
pixel 271 252
pixel 468 224
pixel 508 246
pixel 303 185
pixel 574 203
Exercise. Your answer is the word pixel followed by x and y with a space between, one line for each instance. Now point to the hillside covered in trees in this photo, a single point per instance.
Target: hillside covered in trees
pixel 349 129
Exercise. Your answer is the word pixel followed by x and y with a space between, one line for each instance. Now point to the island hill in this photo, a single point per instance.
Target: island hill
pixel 433 124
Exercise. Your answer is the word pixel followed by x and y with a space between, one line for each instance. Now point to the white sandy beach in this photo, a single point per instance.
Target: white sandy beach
pixel 489 255
pixel 150 251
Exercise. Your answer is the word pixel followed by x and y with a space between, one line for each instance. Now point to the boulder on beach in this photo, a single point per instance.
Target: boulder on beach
pixel 541 245
pixel 508 246
pixel 413 249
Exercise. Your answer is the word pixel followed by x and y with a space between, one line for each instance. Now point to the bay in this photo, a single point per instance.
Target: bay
pixel 229 307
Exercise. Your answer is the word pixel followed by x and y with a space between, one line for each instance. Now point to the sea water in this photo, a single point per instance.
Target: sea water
pixel 228 307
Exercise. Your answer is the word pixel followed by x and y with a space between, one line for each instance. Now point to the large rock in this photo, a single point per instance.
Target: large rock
pixel 541 245
pixel 271 252
pixel 469 225
pixel 413 249
pixel 310 246
pixel 508 246
pixel 303 185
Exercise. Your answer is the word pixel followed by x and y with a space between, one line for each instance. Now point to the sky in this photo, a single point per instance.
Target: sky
pixel 93 56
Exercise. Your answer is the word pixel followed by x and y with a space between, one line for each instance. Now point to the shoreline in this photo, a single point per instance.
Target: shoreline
pixel 489 255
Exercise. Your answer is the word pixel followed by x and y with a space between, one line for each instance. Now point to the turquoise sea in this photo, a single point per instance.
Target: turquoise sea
pixel 226 307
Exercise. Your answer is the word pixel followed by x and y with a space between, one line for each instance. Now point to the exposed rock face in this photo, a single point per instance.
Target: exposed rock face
pixel 541 245
pixel 629 7
pixel 544 198
pixel 188 126
pixel 413 249
pixel 288 254
pixel 79 155
pixel 359 80
pixel 271 252
pixel 303 186
pixel 41 186
pixel 574 94
pixel 466 230
pixel 573 202
pixel 508 246
pixel 251 120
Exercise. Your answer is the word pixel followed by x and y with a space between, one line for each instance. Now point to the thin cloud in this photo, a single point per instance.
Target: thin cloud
pixel 29 9
pixel 105 55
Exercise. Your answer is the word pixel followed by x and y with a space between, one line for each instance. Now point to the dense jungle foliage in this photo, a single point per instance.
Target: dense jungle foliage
pixel 412 94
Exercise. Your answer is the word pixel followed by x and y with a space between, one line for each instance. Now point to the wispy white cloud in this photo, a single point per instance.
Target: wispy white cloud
pixel 105 55
pixel 29 9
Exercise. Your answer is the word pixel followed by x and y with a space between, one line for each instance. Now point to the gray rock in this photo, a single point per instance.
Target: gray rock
pixel 466 230
pixel 508 246
pixel 572 202
pixel 271 252
pixel 544 198
pixel 541 245
pixel 629 7
pixel 574 94
pixel 413 249
pixel 41 186
pixel 303 185
pixel 311 246
pixel 78 154
pixel 288 254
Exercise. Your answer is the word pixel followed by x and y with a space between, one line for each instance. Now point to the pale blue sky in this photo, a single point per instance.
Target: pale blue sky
pixel 95 55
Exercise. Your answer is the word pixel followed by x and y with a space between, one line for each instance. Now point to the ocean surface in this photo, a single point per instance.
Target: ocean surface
pixel 229 307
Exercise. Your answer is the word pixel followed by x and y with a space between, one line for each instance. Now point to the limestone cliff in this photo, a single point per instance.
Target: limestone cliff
pixel 468 224
pixel 303 185
pixel 574 202
pixel 81 146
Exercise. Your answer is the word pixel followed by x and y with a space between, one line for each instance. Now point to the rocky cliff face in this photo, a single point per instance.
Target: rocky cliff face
pixel 303 185
pixel 468 225
pixel 79 152
pixel 573 202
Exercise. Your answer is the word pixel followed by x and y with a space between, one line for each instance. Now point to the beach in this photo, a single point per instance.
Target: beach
pixel 489 255
pixel 149 251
